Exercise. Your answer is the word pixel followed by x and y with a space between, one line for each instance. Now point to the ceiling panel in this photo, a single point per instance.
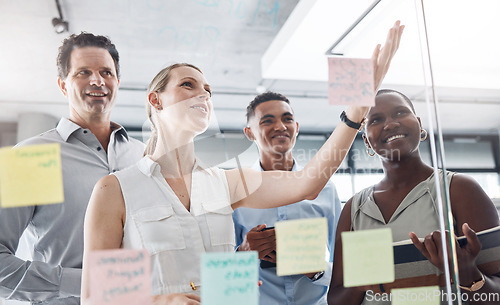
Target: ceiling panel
pixel 227 39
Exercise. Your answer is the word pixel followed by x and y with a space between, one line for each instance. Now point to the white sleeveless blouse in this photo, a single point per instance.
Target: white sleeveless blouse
pixel 175 237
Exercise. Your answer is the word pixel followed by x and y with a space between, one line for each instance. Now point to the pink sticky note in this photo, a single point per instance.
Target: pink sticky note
pixel 350 81
pixel 120 277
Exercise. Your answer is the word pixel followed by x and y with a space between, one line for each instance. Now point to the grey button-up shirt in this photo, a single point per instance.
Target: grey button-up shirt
pixel 55 231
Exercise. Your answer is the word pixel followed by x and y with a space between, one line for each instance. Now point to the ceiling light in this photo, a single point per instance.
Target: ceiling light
pixel 60 26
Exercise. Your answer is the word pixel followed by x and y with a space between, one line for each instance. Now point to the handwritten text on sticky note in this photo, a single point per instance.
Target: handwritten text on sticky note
pixel 301 246
pixel 120 277
pixel 229 278
pixel 350 81
pixel 31 175
pixel 430 295
pixel 368 257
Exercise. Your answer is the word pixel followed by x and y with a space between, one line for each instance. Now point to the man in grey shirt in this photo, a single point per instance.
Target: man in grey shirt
pixel 91 147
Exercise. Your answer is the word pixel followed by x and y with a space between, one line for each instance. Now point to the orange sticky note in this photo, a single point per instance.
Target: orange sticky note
pixel 31 175
pixel 350 81
pixel 121 276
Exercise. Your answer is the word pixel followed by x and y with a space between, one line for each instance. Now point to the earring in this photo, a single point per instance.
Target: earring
pixel 425 134
pixel 368 151
pixel 159 107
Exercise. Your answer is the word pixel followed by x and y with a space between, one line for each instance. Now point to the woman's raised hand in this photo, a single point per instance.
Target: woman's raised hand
pixel 381 61
pixel 382 56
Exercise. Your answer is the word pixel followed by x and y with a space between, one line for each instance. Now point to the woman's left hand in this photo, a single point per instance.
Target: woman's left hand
pixel 432 249
pixel 382 56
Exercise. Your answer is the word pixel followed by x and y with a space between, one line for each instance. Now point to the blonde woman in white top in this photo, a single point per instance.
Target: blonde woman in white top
pixel 164 186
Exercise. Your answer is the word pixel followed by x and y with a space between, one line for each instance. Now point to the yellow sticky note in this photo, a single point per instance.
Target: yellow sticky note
pixel 31 175
pixel 368 257
pixel 301 246
pixel 430 295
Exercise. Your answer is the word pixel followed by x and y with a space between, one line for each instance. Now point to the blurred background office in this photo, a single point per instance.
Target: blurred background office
pixel 249 46
pixel 246 47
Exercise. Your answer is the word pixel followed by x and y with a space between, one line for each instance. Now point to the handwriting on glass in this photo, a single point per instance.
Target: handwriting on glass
pixel 350 81
pixel 228 278
pixel 301 246
pixel 36 168
pixel 120 276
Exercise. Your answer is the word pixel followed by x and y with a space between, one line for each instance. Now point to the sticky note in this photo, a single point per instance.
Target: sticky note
pixel 31 175
pixel 430 295
pixel 350 81
pixel 301 246
pixel 229 278
pixel 120 276
pixel 368 257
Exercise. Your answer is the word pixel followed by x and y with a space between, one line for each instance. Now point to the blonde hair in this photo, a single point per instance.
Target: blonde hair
pixel 158 84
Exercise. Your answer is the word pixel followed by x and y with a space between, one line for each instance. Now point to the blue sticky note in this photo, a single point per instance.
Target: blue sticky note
pixel 229 278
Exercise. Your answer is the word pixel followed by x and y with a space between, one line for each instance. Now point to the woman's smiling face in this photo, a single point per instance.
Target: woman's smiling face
pixel 186 101
pixel 392 128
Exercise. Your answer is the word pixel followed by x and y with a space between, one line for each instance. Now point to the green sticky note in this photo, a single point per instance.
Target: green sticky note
pixel 301 246
pixel 368 257
pixel 430 295
pixel 31 175
pixel 230 278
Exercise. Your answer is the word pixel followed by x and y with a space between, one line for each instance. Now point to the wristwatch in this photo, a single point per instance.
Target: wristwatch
pixel 475 285
pixel 317 276
pixel 358 126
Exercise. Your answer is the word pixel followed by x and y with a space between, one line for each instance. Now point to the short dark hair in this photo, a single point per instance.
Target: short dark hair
pixel 76 41
pixel 261 98
pixel 392 91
